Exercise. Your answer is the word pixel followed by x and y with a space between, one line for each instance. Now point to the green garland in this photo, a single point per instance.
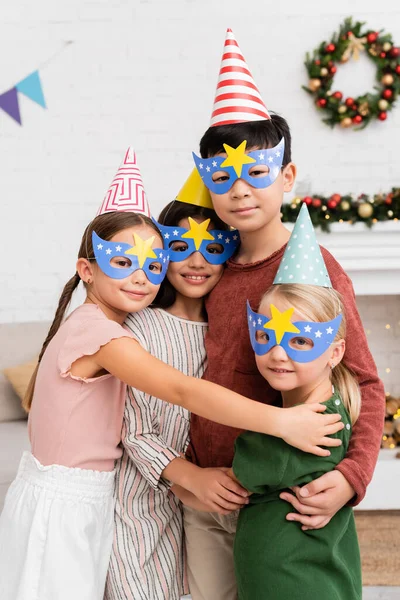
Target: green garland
pixel 350 40
pixel 337 209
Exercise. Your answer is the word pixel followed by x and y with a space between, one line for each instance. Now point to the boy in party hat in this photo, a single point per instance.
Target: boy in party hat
pixel 246 164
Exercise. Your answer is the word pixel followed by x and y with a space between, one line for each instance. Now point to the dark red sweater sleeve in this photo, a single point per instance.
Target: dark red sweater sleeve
pixel 359 464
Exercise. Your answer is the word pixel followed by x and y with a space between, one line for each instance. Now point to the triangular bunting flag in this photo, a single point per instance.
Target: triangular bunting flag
pixel 126 192
pixel 237 99
pixel 31 87
pixel 9 103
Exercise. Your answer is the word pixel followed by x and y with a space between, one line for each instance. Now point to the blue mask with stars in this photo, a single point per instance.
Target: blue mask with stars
pixel 265 333
pixel 153 261
pixel 216 246
pixel 240 165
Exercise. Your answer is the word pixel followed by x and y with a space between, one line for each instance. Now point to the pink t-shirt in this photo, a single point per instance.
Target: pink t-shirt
pixel 73 421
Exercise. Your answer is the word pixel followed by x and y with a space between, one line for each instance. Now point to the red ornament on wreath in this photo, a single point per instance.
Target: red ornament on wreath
pixel 316 202
pixel 389 199
pixel 352 40
pixel 307 200
pixel 372 37
pixel 331 204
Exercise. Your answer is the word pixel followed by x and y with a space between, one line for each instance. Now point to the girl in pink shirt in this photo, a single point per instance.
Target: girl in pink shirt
pixel 56 528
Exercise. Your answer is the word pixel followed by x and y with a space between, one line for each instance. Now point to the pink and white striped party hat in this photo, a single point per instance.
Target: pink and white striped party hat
pixel 237 99
pixel 126 192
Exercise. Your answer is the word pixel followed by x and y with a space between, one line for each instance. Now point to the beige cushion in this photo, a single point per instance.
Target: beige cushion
pixel 19 344
pixel 20 376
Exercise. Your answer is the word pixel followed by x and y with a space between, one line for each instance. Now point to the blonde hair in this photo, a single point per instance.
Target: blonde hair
pixel 320 304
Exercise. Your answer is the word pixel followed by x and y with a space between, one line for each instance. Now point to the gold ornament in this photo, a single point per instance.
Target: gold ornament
pixel 345 205
pixel 383 104
pixel 365 210
pixel 386 46
pixel 342 109
pixel 355 46
pixel 314 84
pixel 346 122
pixel 363 109
pixel 324 72
pixel 373 50
pixel 387 79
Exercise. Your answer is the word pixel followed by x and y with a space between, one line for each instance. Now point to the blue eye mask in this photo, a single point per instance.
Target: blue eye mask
pixel 281 331
pixel 239 165
pixel 140 256
pixel 216 246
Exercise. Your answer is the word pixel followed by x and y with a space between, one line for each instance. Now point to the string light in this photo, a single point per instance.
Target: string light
pixel 387 370
pixel 387 326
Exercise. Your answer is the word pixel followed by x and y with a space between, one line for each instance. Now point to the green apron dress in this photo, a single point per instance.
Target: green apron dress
pixel 274 558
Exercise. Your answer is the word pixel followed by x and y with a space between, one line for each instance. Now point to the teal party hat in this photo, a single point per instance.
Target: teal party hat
pixel 302 261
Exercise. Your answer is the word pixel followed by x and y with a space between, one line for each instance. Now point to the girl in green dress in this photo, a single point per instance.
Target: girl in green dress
pixel 298 336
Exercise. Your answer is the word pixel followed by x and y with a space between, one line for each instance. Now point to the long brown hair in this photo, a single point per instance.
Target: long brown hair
pixel 321 304
pixel 106 226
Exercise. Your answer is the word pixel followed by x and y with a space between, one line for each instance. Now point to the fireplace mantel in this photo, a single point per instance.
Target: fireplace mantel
pixel 371 257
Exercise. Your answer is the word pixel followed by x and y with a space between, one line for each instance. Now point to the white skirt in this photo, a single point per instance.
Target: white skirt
pixel 56 533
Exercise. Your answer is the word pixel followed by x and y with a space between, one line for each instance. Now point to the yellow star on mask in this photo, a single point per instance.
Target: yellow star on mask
pixel 237 157
pixel 198 232
pixel 142 249
pixel 281 323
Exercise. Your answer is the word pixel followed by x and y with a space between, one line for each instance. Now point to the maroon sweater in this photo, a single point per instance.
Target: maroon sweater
pixel 231 363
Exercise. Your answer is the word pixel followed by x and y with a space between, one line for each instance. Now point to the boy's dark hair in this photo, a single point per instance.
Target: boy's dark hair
pixel 171 215
pixel 259 134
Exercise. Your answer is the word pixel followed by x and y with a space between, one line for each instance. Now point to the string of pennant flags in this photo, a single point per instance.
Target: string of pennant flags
pixel 30 86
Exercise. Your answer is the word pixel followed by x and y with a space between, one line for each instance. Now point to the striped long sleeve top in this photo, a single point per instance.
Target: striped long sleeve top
pixel 147 560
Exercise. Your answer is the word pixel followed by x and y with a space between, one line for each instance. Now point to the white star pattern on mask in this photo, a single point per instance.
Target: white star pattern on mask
pixel 318 333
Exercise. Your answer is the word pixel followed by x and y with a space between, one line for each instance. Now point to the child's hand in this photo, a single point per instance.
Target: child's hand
pixel 218 491
pixel 304 428
pixel 189 499
pixel 317 502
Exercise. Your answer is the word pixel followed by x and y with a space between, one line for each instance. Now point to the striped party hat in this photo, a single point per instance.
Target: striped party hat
pixel 237 99
pixel 302 261
pixel 126 192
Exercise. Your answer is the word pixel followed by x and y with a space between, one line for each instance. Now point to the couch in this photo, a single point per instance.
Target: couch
pixel 19 343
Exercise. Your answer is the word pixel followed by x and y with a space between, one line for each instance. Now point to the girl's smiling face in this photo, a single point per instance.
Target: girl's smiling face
pixel 118 297
pixel 279 370
pixel 194 277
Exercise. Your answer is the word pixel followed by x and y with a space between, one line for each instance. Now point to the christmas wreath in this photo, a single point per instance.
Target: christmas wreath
pixel 347 208
pixel 350 41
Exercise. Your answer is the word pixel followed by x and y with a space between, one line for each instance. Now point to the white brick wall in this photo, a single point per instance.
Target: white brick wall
pixel 144 73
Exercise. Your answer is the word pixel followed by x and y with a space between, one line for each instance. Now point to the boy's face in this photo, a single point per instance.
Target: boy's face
pixel 248 208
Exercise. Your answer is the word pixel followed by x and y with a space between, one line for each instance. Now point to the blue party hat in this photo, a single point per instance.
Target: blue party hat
pixel 302 261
